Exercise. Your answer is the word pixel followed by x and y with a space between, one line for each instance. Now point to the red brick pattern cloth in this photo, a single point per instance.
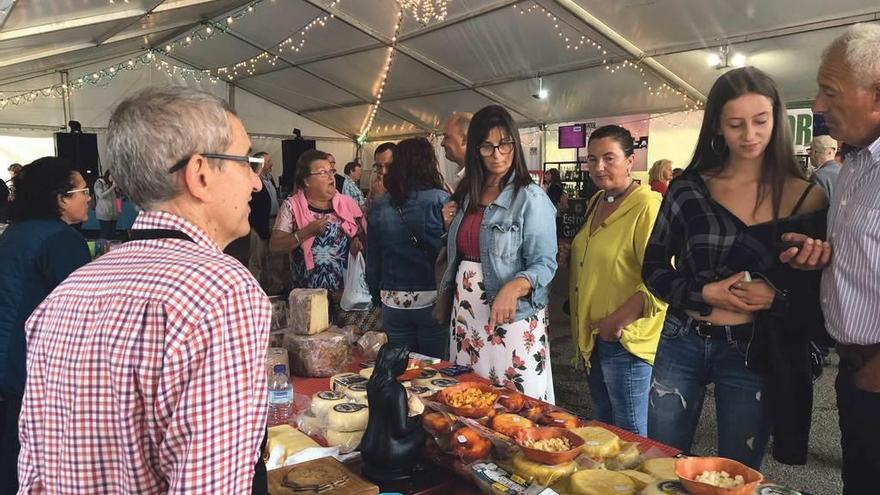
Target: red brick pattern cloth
pixel 146 372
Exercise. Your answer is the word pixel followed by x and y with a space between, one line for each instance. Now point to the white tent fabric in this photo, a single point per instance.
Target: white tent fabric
pixel 320 62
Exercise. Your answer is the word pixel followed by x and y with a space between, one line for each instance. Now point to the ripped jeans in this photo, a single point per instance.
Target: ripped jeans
pixel 684 365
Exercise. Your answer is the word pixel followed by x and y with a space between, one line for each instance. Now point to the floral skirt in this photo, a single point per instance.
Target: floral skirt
pixel 515 355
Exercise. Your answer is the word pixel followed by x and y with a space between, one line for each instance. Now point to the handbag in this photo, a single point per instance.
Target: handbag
pixel 443 304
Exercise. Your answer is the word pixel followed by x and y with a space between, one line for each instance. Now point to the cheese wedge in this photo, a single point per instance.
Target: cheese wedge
pixel 599 443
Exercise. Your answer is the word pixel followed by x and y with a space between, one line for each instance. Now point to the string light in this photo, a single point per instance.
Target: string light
pixel 425 11
pixel 389 61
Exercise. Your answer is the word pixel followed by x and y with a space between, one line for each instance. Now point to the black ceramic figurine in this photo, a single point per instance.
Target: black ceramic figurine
pixel 393 442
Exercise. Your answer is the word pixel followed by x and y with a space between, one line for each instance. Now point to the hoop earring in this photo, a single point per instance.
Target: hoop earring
pixel 714 148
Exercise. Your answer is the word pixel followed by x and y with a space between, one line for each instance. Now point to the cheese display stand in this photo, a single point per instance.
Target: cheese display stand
pixel 480 439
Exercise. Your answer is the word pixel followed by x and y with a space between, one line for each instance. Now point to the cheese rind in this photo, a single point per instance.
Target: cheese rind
pixel 345 440
pixel 348 417
pixel 309 311
pixel 601 482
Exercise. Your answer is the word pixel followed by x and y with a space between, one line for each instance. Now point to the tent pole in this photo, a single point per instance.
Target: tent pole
pixel 65 96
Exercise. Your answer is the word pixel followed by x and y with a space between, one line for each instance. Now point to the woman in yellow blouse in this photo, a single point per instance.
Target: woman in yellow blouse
pixel 615 320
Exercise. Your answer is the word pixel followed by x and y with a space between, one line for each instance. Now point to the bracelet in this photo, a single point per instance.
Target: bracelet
pixel 296 238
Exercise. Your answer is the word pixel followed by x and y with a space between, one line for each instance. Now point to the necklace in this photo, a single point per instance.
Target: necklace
pixel 609 198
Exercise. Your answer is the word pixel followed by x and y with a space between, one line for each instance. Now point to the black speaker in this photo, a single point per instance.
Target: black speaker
pixel 291 149
pixel 81 149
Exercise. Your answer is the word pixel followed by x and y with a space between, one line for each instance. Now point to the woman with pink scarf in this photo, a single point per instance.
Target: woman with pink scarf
pixel 318 226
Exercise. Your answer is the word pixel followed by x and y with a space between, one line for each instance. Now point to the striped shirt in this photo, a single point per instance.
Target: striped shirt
pixel 146 372
pixel 851 283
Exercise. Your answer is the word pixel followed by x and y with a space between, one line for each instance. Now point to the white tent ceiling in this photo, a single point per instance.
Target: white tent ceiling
pixel 485 51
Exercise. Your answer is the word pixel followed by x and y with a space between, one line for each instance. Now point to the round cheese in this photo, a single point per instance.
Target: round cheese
pixel 541 473
pixel 357 393
pixel 639 478
pixel 348 417
pixel 665 488
pixel 628 458
pixel 324 401
pixel 425 377
pixel 420 391
pixel 662 468
pixel 345 440
pixel 601 482
pixel 599 443
pixel 441 383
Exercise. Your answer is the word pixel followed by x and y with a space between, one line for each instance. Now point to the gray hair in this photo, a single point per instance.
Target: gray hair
pixel 822 143
pixel 860 48
pixel 154 129
pixel 461 120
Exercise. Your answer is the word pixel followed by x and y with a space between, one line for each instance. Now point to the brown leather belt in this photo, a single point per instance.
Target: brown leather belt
pixel 857 355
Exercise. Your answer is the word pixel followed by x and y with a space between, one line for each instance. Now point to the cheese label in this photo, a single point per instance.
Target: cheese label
pixel 462 439
pixel 671 488
pixel 327 395
pixel 427 373
pixel 348 408
pixel 358 387
pixel 516 419
pixel 444 382
pixel 419 390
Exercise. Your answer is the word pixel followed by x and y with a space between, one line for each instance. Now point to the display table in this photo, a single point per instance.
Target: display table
pixel 439 479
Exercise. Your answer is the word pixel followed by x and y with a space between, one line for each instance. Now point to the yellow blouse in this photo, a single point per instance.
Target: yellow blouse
pixel 606 269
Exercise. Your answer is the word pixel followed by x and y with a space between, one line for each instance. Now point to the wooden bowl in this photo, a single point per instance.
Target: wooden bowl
pixel 689 468
pixel 468 411
pixel 544 432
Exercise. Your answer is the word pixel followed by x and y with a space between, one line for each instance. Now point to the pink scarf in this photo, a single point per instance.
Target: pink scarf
pixel 343 206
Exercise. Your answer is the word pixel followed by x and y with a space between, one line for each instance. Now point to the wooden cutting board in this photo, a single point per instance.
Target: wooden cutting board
pixel 326 476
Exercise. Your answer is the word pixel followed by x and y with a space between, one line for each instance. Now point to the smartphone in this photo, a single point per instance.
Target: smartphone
pixel 786 245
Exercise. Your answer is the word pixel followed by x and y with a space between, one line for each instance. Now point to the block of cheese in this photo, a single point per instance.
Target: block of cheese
pixel 599 443
pixel 639 478
pixel 345 440
pixel 319 355
pixel 309 311
pixel 662 468
pixel 601 482
pixel 543 474
pixel 665 488
pixel 357 393
pixel 348 417
pixel 322 402
pixel 290 439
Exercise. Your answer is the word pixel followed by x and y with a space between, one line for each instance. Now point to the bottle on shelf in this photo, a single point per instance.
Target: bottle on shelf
pixel 280 396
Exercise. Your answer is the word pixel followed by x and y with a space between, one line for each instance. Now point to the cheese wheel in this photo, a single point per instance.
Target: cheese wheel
pixel 289 440
pixel 601 482
pixel 366 372
pixel 348 417
pixel 599 443
pixel 345 440
pixel 441 383
pixel 543 474
pixel 419 391
pixel 639 478
pixel 665 488
pixel 310 424
pixel 357 393
pixel 628 458
pixel 662 468
pixel 342 381
pixel 425 377
pixel 324 401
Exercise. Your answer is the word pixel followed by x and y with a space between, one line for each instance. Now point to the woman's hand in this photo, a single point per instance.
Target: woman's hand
pixel 449 211
pixel 610 328
pixel 504 306
pixel 355 246
pixel 719 295
pixel 314 228
pixel 755 293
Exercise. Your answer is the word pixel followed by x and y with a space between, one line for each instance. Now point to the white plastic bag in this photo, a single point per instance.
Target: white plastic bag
pixel 356 294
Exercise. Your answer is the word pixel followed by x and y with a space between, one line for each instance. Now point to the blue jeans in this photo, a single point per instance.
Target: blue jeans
pixel 619 384
pixel 417 329
pixel 685 364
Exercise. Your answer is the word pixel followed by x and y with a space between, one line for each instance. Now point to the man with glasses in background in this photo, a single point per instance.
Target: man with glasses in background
pixel 146 368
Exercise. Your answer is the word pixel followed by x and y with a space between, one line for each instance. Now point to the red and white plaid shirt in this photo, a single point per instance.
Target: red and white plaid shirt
pixel 146 372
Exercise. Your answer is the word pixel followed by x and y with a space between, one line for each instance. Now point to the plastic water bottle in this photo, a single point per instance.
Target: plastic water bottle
pixel 280 396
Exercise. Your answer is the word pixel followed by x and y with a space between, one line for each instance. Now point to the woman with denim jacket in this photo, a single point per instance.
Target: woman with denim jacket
pixel 502 256
pixel 713 256
pixel 406 225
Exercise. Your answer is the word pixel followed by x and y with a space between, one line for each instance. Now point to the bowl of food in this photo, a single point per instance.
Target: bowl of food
pixel 549 445
pixel 469 399
pixel 716 476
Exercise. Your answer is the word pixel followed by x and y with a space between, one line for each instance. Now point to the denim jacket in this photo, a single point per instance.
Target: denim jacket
pixel 393 262
pixel 517 239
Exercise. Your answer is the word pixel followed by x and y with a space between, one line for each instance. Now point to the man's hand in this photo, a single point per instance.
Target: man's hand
pixel 807 253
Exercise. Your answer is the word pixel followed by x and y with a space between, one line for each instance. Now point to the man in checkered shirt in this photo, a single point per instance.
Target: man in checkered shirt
pixel 146 368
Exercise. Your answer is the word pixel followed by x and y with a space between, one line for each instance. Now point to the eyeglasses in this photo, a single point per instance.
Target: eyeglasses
pixel 255 162
pixel 84 190
pixel 327 172
pixel 504 147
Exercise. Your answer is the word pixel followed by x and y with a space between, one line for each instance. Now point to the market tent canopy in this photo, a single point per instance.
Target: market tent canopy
pixel 324 60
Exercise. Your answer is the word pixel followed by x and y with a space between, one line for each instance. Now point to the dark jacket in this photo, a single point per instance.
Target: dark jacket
pixel 394 262
pixel 37 256
pixel 261 208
